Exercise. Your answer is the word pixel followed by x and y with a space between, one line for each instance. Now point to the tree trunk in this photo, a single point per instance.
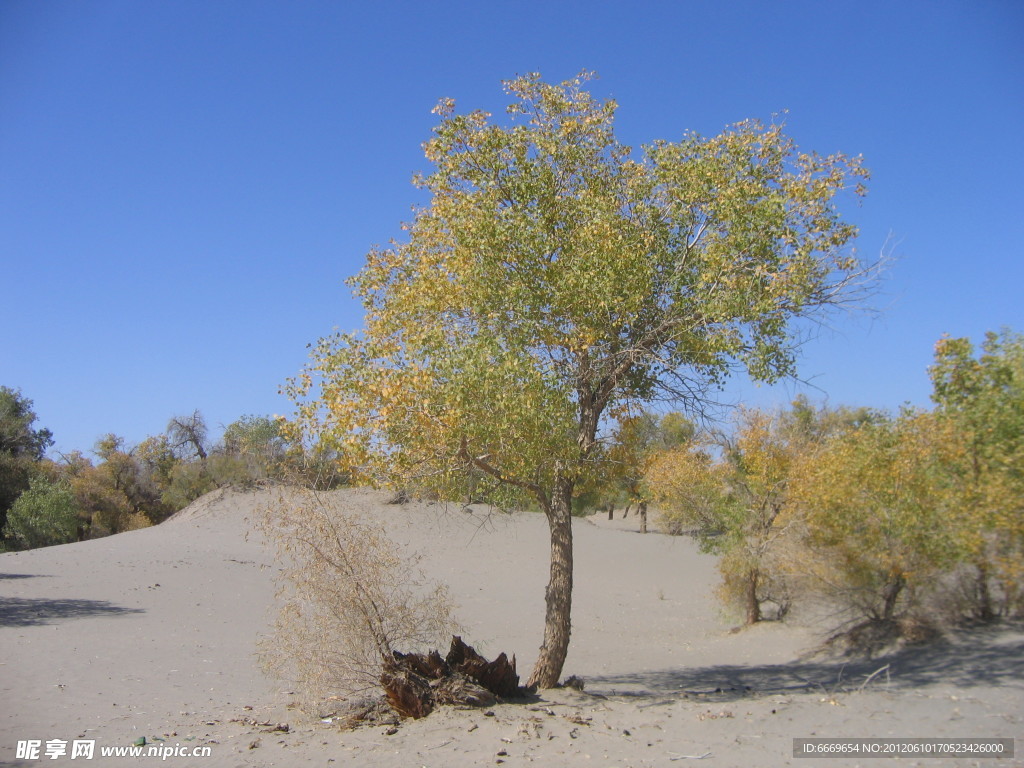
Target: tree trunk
pixel 611 512
pixel 753 605
pixel 558 596
pixel 642 509
pixel 984 609
pixel 891 594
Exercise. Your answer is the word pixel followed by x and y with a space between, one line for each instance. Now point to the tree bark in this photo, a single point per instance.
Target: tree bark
pixel 642 509
pixel 558 596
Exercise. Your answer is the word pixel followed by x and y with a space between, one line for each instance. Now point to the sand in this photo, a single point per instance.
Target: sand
pixel 152 634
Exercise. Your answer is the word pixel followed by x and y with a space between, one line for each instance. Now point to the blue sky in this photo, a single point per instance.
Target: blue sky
pixel 185 185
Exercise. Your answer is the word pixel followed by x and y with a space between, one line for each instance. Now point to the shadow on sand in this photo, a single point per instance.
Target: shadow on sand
pixel 20 575
pixel 986 656
pixel 30 612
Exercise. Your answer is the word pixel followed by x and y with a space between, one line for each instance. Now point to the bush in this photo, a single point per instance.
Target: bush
pixel 227 469
pixel 350 598
pixel 43 515
pixel 189 481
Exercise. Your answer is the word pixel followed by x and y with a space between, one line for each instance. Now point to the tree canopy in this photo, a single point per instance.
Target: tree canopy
pixel 17 437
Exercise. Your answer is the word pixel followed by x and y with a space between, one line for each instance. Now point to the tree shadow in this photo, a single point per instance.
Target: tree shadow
pixel 22 575
pixel 31 612
pixel 987 656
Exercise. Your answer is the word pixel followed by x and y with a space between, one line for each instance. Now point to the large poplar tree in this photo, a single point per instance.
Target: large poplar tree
pixel 556 277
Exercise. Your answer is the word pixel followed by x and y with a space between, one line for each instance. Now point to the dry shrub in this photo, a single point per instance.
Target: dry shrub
pixel 349 597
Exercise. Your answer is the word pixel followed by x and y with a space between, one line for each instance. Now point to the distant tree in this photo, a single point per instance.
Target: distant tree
pixel 255 435
pixel 732 503
pixel 21 446
pixel 17 437
pixel 187 435
pixel 115 495
pixel 688 486
pixel 119 465
pixel 635 440
pixel 553 279
pixel 807 423
pixel 157 460
pixel 258 442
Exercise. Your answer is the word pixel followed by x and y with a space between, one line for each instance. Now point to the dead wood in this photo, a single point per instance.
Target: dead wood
pixel 498 676
pixel 409 694
pixel 416 683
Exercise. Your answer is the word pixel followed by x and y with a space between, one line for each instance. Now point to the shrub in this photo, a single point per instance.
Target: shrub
pixel 43 515
pixel 189 481
pixel 350 598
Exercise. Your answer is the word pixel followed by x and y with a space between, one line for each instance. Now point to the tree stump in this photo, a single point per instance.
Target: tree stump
pixel 416 683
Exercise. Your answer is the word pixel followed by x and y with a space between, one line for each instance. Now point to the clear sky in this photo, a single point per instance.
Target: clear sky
pixel 184 185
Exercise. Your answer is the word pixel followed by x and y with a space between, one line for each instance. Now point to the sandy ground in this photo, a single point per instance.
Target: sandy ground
pixel 152 634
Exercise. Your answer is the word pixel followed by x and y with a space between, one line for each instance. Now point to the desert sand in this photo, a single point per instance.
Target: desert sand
pixel 152 634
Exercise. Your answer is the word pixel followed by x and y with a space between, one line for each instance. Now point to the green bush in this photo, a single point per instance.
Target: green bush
pixel 189 481
pixel 45 514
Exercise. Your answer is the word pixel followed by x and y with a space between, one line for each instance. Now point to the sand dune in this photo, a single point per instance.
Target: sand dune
pixel 152 634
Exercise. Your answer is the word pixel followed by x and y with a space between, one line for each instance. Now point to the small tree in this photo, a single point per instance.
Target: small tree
pixel 116 494
pixel 189 480
pixel 735 502
pixel 554 278
pixel 634 442
pixel 732 504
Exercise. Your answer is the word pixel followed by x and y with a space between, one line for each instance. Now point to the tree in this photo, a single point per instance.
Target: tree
pixel 732 503
pixel 983 398
pixel 689 487
pixel 758 464
pixel 21 446
pixel 879 505
pixel 188 434
pixel 635 440
pixel 16 434
pixel 553 279
pixel 157 460
pixel 115 495
pixel 731 488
